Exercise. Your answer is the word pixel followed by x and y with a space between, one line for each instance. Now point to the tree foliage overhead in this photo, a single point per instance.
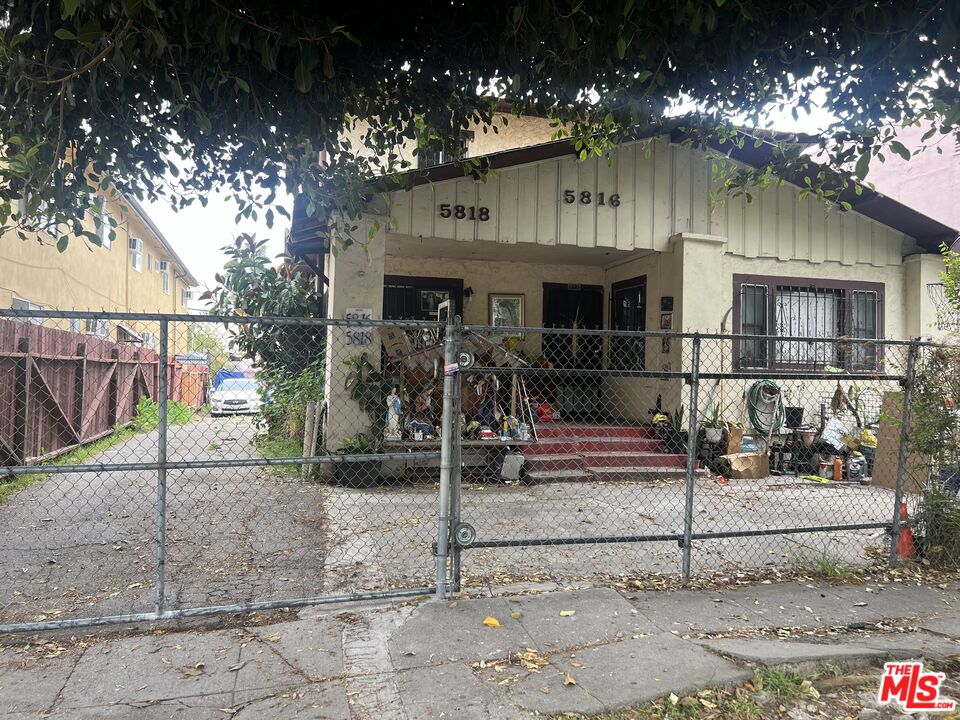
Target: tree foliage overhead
pixel 172 98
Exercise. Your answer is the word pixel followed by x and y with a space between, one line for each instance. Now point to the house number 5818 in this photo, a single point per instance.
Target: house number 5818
pixel 585 197
pixel 465 212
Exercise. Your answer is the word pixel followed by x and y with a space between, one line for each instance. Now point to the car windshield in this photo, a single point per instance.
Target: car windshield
pixel 238 385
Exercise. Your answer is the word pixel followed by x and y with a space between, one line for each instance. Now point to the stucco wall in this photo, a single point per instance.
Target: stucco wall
pixel 928 182
pixel 88 277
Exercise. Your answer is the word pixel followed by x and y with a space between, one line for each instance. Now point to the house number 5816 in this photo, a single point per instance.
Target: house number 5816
pixel 587 198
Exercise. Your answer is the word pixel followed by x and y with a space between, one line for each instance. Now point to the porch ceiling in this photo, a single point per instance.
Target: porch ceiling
pixel 409 246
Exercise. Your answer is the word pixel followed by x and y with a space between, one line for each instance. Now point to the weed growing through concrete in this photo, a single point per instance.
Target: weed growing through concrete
pixel 824 566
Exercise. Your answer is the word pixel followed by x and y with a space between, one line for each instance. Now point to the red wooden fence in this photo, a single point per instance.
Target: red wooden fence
pixel 61 389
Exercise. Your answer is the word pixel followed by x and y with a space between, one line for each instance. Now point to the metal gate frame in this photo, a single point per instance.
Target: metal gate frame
pixel 448 548
pixel 161 611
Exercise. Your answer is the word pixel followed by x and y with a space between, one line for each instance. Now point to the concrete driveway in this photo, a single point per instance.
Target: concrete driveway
pixel 84 544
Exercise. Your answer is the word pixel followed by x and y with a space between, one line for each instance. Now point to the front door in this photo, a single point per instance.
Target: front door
pixel 574 307
pixel 628 311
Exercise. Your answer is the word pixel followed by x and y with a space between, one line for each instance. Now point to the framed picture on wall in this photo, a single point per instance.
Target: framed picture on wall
pixel 430 300
pixel 506 310
pixel 666 321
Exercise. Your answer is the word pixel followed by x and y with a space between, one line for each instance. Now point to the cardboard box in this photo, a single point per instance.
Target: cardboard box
pixel 745 466
pixel 734 437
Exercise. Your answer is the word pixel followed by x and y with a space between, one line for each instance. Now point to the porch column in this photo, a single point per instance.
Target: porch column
pixel 698 262
pixel 356 282
pixel 920 314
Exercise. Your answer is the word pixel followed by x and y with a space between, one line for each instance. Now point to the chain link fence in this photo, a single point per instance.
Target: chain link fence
pixel 162 466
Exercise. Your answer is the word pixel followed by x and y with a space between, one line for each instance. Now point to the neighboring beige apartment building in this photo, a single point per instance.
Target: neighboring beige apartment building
pixel 634 244
pixel 138 271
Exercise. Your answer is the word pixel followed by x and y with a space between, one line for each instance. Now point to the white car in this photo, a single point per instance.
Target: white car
pixel 235 396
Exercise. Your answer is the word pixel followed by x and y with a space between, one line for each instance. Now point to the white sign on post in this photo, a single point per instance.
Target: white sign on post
pixel 359 335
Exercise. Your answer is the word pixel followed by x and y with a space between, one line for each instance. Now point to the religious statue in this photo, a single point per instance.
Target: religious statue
pixel 394 410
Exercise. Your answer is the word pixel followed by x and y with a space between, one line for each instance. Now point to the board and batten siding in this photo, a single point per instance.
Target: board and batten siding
pixel 664 189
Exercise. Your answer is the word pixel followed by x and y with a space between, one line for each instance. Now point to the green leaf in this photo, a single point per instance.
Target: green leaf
pixel 242 84
pixel 863 165
pixel 64 34
pixel 303 78
pixel 327 64
pixel 69 8
pixel 62 243
pixel 621 47
pixel 899 149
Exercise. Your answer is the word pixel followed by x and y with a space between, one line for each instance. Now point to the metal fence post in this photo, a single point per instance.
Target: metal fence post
pixel 446 454
pixel 456 470
pixel 693 430
pixel 903 450
pixel 162 390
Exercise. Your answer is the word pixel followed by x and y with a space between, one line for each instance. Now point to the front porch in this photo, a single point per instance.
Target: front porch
pixel 563 288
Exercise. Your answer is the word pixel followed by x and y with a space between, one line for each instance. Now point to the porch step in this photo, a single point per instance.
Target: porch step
pixel 547 462
pixel 564 430
pixel 648 474
pixel 573 445
pixel 539 476
pixel 634 459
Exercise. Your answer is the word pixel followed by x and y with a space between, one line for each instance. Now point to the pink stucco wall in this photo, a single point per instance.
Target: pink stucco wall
pixel 929 182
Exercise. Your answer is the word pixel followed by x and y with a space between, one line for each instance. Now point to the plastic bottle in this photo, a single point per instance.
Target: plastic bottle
pixel 837 469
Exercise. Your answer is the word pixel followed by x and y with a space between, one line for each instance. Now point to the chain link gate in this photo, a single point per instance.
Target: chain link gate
pixel 151 470
pixel 597 478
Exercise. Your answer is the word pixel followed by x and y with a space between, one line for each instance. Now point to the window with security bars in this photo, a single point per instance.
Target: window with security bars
pixel 807 314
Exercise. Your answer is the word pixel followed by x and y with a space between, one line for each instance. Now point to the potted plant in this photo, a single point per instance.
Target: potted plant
pixel 676 435
pixel 369 388
pixel 358 473
pixel 713 425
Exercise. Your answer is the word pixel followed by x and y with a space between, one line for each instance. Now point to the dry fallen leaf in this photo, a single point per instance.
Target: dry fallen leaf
pixel 568 680
pixel 673 698
pixel 191 671
pixel 567 613
pixel 491 622
pixel 516 614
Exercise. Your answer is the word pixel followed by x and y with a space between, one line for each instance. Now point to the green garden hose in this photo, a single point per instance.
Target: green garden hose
pixel 765 407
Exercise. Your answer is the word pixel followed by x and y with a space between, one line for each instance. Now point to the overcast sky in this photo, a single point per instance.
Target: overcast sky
pixel 197 233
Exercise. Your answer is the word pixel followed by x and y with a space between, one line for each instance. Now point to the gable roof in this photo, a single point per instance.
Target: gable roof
pixel 152 226
pixel 928 232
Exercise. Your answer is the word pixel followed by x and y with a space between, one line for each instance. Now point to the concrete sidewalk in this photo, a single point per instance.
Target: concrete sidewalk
pixel 583 651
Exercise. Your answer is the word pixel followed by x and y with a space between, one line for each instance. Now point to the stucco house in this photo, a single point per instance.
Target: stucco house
pixel 628 243
pixel 137 271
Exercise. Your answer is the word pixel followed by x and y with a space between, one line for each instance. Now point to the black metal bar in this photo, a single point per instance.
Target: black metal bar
pixel 791 531
pixel 600 539
pixel 534 542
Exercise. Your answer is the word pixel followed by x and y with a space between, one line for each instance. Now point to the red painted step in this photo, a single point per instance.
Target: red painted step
pixel 634 459
pixel 565 430
pixel 548 463
pixel 562 446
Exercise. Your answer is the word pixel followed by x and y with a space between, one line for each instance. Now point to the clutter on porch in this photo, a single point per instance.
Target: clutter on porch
pixel 838 445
